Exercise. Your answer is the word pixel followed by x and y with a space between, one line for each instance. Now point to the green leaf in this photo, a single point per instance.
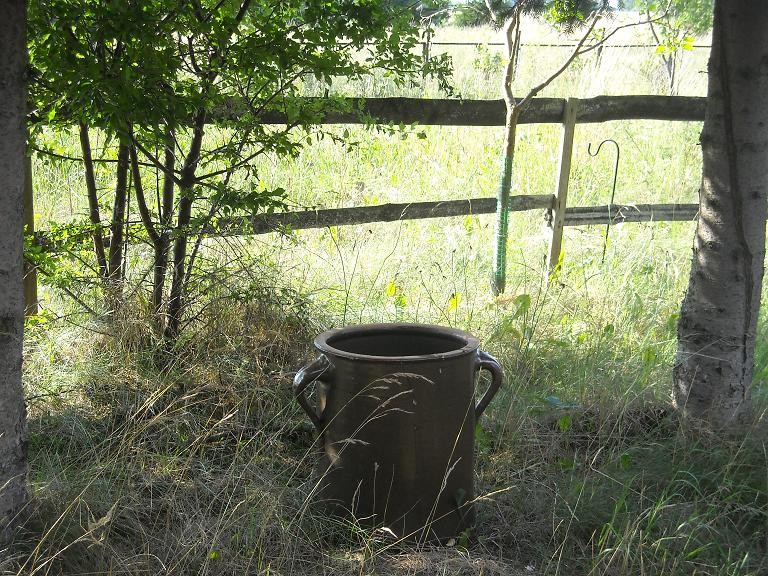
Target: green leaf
pixel 564 422
pixel 566 464
pixel 522 304
pixel 671 323
pixel 391 289
pixel 453 302
pixel 482 439
pixel 464 538
pixel 625 461
pixel 649 355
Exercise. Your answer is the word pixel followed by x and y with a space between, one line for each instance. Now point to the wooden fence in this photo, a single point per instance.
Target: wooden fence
pixel 567 112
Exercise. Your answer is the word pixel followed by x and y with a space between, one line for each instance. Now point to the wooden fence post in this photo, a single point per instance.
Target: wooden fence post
pixel 30 272
pixel 561 191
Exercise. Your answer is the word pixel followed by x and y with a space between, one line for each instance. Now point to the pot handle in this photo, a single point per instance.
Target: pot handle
pixel 488 362
pixel 320 369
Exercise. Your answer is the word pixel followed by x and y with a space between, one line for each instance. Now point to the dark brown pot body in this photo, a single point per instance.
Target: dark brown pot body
pixel 396 416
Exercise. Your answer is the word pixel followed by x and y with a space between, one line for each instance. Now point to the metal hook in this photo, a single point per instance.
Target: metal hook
pixel 613 190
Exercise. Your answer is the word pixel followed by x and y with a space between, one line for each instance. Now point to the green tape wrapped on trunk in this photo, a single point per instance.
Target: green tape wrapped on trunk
pixel 502 227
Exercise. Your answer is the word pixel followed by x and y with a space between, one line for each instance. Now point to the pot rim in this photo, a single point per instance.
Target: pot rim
pixel 324 341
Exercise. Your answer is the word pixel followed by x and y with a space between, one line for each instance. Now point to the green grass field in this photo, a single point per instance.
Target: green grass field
pixel 583 468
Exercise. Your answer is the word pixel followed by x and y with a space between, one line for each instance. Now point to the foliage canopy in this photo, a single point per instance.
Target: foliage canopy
pixel 565 13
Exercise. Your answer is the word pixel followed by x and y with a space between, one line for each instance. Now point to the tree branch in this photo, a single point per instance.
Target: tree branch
pixel 155 162
pixel 93 200
pixel 577 51
pixel 146 216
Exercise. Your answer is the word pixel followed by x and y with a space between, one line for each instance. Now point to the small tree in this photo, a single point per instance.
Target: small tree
pixel 567 14
pixel 674 25
pixel 153 74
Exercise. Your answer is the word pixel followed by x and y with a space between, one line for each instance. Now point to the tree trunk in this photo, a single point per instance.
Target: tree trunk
pixel 512 37
pixel 186 199
pixel 718 318
pixel 176 297
pixel 502 198
pixel 117 226
pixel 163 242
pixel 93 201
pixel 13 453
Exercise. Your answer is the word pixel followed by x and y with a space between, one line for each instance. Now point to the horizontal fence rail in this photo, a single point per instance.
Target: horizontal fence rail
pixel 325 218
pixel 618 213
pixel 445 112
pixel 574 216
pixel 264 223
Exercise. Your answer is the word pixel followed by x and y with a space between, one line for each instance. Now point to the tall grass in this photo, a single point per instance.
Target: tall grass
pixel 583 468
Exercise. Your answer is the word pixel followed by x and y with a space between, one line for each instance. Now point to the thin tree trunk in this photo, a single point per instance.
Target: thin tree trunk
pixel 146 219
pixel 163 243
pixel 176 297
pixel 117 227
pixel 186 199
pixel 671 63
pixel 512 35
pixel 93 201
pixel 503 196
pixel 718 317
pixel 667 59
pixel 13 450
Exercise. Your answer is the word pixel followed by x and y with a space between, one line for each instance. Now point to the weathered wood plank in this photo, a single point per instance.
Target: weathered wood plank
pixel 576 216
pixel 605 108
pixel 586 215
pixel 264 223
pixel 444 112
pixel 523 202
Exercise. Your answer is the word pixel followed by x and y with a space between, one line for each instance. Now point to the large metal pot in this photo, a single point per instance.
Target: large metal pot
pixel 396 416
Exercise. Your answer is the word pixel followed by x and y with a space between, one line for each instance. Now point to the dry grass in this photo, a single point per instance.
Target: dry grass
pixel 203 468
